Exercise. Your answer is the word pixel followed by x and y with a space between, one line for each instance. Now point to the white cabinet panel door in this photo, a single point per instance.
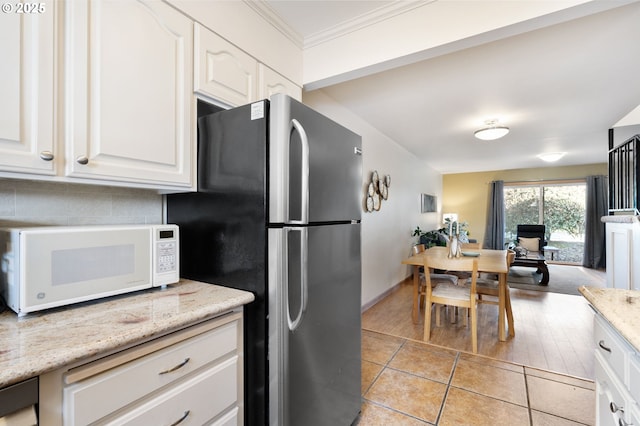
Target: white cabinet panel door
pixel 26 90
pixel 270 83
pixel 620 255
pixel 222 71
pixel 128 98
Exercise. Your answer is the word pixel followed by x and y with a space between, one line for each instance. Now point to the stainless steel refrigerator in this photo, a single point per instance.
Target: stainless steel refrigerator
pixel 277 213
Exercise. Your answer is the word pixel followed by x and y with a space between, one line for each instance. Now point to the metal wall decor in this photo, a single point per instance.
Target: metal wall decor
pixel 377 190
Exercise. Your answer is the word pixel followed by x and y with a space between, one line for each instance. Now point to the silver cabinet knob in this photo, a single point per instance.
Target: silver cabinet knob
pixel 615 407
pixel 82 159
pixel 46 155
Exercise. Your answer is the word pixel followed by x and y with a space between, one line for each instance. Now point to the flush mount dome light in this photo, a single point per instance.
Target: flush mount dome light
pixel 550 157
pixel 493 131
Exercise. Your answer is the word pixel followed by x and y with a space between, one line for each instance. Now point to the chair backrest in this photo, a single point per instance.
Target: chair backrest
pixel 532 231
pixel 462 264
pixel 418 248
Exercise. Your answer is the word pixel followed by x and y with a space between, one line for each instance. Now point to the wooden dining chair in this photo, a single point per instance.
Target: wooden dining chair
pixel 463 276
pixel 451 294
pixel 491 287
pixel 435 278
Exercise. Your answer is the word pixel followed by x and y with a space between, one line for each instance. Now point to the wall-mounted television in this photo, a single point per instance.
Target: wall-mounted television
pixel 429 203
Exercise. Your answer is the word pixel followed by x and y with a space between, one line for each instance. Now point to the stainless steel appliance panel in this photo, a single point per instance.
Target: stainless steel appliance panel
pixel 316 166
pixel 320 326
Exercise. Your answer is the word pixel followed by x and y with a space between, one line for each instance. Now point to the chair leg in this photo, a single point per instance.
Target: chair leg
pixel 512 331
pixel 427 320
pixel 474 327
pixel 437 308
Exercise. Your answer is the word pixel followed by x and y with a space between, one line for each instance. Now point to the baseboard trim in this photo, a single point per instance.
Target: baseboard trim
pixel 385 294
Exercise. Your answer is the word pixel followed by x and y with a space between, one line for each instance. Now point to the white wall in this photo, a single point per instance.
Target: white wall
pixel 386 234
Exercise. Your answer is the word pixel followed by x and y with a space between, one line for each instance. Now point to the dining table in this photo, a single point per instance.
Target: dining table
pixel 490 261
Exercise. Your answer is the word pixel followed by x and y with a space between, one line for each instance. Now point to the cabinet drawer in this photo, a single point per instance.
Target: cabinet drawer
pixel 610 347
pixel 197 400
pixel 104 393
pixel 609 394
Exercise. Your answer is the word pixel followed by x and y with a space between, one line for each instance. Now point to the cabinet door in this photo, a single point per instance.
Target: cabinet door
pixel 26 87
pixel 222 71
pixel 619 238
pixel 270 83
pixel 128 99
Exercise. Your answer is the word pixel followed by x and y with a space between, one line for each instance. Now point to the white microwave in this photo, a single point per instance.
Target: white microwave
pixel 49 266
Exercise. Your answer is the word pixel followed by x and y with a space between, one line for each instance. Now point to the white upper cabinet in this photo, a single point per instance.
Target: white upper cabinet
pixel 128 92
pixel 221 70
pixel 270 83
pixel 26 88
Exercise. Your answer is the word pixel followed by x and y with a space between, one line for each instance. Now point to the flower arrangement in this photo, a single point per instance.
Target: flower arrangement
pixel 439 237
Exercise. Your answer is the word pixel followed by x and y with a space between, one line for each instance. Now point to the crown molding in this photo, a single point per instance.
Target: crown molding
pixel 372 17
pixel 263 9
pixel 380 14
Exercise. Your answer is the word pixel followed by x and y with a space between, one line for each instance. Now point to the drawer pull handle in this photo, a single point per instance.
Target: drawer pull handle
pixel 181 419
pixel 601 344
pixel 621 422
pixel 171 370
pixel 615 408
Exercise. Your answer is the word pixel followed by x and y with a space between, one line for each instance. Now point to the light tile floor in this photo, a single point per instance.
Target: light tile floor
pixel 405 382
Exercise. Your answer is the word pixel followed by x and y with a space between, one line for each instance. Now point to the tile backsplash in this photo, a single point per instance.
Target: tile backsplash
pixel 25 202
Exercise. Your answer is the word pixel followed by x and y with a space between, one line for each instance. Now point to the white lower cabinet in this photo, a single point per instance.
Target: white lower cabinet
pixel 193 377
pixel 616 384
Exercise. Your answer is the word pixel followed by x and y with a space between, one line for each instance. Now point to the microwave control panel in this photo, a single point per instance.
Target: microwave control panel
pixel 166 255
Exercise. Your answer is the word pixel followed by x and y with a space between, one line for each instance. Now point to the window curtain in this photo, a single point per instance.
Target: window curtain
pixel 494 231
pixel 594 233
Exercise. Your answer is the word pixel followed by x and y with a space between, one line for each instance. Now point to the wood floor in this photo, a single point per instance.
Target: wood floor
pixel 552 331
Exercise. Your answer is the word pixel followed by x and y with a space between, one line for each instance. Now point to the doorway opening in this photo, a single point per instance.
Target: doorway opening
pixel 559 205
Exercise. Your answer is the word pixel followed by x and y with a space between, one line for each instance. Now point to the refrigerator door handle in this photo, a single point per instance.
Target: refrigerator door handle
pixel 295 323
pixel 304 175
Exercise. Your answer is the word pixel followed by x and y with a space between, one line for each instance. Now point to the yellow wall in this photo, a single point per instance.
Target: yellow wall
pixel 467 194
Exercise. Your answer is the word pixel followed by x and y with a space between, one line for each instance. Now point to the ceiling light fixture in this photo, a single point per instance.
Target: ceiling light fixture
pixel 550 157
pixel 493 131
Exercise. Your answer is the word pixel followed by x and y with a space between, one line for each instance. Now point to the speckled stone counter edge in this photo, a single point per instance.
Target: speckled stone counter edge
pixel 620 219
pixel 620 307
pixel 44 341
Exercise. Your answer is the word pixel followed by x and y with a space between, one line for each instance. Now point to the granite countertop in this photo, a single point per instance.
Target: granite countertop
pixel 43 341
pixel 620 307
pixel 620 219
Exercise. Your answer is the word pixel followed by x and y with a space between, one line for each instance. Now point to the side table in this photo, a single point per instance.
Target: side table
pixel 551 249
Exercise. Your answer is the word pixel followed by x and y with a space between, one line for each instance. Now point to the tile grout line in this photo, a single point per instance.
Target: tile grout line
pixel 526 388
pixel 446 392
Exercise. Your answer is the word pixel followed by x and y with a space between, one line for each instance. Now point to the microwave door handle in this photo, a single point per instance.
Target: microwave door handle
pixel 304 173
pixel 295 323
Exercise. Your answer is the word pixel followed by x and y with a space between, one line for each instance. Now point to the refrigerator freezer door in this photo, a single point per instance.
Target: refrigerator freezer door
pixel 315 166
pixel 315 368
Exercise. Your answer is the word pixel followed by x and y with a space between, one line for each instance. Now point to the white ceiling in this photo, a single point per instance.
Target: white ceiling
pixel 559 88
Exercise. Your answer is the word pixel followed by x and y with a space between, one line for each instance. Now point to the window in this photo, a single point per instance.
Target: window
pixel 560 206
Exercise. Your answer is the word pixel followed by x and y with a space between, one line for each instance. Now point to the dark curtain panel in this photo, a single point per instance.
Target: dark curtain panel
pixel 494 231
pixel 594 234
